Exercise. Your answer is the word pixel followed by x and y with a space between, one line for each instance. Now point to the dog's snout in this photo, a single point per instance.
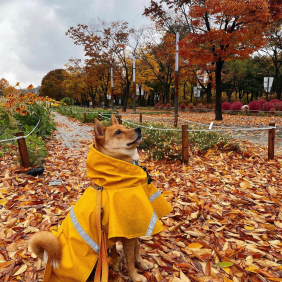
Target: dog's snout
pixel 137 129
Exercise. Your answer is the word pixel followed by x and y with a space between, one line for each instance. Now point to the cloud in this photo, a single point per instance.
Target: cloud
pixel 32 32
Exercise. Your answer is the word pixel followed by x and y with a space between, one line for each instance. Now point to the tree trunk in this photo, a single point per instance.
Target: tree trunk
pixel 106 100
pixel 278 89
pixel 167 88
pixel 126 97
pixel 209 89
pixel 218 110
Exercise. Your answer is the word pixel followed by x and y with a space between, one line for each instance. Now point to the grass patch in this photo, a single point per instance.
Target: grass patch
pixel 78 113
pixel 167 144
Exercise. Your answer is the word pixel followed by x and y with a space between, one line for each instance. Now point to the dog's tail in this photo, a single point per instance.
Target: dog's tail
pixel 46 246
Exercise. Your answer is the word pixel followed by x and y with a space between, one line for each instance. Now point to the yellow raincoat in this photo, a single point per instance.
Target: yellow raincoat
pixel 132 208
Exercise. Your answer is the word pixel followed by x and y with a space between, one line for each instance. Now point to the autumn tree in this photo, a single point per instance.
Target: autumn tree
pixel 158 55
pixel 3 84
pixel 52 84
pixel 219 30
pixel 273 50
pixel 113 44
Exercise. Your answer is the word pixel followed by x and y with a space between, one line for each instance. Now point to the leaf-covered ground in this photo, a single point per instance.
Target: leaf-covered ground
pixel 226 224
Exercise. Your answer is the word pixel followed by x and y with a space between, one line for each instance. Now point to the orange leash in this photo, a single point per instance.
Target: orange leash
pixel 102 270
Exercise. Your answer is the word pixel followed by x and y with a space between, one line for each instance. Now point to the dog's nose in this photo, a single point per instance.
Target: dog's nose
pixel 137 129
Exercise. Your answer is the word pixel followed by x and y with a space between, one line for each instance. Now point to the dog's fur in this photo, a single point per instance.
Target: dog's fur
pixel 117 142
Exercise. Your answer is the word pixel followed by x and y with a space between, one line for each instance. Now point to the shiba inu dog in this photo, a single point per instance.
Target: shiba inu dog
pixel 131 207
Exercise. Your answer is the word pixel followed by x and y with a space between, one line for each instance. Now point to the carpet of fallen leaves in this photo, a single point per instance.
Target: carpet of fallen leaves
pixel 208 117
pixel 226 223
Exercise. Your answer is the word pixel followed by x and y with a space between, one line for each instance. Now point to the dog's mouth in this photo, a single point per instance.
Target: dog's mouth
pixel 136 141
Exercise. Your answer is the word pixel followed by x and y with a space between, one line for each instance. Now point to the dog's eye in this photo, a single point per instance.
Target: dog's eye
pixel 118 132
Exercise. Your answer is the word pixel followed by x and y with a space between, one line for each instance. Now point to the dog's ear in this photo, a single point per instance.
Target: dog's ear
pixel 113 119
pixel 98 129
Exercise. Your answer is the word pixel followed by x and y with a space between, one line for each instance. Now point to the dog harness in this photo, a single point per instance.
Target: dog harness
pixel 132 206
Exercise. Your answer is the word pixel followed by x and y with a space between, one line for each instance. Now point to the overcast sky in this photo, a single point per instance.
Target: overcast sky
pixel 32 33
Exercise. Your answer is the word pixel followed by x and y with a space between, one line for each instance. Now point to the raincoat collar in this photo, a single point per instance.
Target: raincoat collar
pixel 112 173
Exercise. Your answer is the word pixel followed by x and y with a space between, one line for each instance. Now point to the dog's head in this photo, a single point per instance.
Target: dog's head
pixel 117 141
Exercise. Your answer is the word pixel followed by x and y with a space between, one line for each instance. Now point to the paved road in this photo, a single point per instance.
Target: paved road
pixel 70 133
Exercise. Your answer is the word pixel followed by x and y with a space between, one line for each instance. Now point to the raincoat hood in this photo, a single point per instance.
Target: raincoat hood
pixel 110 173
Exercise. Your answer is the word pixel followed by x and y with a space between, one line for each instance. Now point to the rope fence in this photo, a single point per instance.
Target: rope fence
pixel 22 145
pixel 210 128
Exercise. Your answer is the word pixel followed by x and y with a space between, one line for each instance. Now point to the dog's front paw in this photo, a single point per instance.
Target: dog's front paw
pixel 134 276
pixel 145 264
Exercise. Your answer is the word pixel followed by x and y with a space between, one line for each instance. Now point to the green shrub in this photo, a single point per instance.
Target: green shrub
pixel 36 149
pixel 162 144
pixel 66 101
pixel 205 140
pixel 35 112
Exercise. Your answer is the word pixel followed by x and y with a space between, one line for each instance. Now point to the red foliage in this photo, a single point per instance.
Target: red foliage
pixel 168 106
pixel 226 106
pixel 200 106
pixel 277 104
pixel 236 106
pixel 191 106
pixel 267 106
pixel 162 106
pixel 255 106
pixel 157 106
pixel 182 106
pixel 262 102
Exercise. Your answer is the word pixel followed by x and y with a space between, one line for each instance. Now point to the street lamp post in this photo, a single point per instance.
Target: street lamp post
pixel 112 90
pixel 134 87
pixel 176 76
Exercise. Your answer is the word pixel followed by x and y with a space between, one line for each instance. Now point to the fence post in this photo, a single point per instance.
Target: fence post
pixel 119 119
pixel 185 143
pixel 85 119
pixel 271 136
pixel 140 117
pixel 71 110
pixel 175 120
pixel 99 116
pixel 23 150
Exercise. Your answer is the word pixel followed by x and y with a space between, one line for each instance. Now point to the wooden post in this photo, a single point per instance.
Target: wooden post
pixel 175 120
pixel 271 136
pixel 140 117
pixel 99 116
pixel 119 119
pixel 23 150
pixel 185 143
pixel 70 110
pixel 85 119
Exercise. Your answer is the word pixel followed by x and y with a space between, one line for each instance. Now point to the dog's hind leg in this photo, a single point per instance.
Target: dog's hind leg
pixel 129 254
pixel 143 263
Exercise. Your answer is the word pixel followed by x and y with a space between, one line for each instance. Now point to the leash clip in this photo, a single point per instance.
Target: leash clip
pixel 100 188
pixel 102 215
